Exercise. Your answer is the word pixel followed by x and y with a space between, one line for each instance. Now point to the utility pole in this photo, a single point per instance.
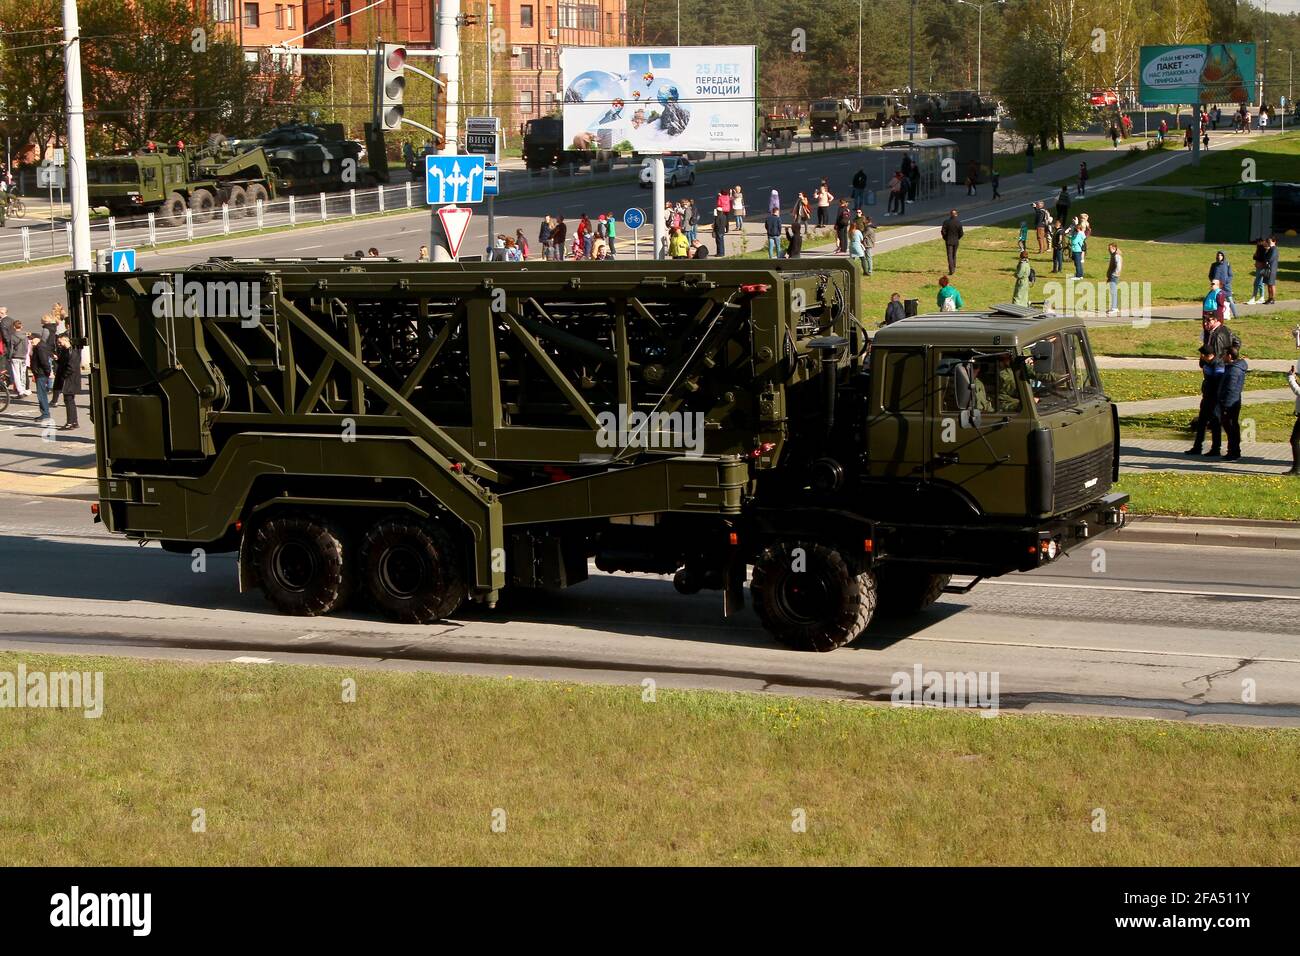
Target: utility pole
pixel 911 64
pixel 859 54
pixel 491 200
pixel 449 66
pixel 78 199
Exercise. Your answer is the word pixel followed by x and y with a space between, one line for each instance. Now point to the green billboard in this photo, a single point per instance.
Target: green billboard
pixel 1197 73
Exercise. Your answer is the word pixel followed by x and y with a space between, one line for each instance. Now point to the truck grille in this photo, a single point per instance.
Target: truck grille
pixel 1070 479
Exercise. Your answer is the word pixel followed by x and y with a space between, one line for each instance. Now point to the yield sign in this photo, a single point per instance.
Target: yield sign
pixel 455 223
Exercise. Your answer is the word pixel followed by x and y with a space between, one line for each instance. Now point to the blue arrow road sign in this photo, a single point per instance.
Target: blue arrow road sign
pixel 453 179
pixel 633 218
pixel 123 260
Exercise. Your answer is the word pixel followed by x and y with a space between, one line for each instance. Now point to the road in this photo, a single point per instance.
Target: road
pixel 1145 637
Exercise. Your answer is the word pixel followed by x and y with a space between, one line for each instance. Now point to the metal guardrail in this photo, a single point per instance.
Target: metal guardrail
pixel 35 243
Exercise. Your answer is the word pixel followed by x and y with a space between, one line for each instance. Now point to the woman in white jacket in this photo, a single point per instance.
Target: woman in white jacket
pixel 1295 430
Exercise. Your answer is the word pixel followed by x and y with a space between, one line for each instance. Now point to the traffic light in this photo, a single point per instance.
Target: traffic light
pixel 392 86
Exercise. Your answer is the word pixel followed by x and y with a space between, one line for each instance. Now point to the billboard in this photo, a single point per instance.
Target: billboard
pixel 659 99
pixel 1197 73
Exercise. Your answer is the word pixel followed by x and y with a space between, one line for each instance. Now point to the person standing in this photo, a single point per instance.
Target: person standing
pixel 1270 278
pixel 521 244
pixel 1029 157
pixel 772 228
pixel 1059 243
pixel 802 213
pixel 1233 381
pixel 869 244
pixel 1294 383
pixel 794 241
pixel 952 231
pixel 1083 179
pixel 895 194
pixel 859 189
pixel 1076 251
pixel 1261 271
pixel 692 221
pixel 1221 269
pixel 544 237
pixel 823 197
pixel 843 218
pixel 611 233
pixel 1114 268
pixel 723 204
pixel 42 358
pixel 1114 136
pixel 1024 275
pixel 738 207
pixel 774 202
pixel 994 179
pixel 1063 205
pixel 19 356
pixel 720 231
pixel 1039 210
pixel 559 232
pixel 678 244
pixel 856 249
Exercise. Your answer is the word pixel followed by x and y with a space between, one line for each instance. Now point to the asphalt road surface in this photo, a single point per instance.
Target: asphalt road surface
pixel 1148 636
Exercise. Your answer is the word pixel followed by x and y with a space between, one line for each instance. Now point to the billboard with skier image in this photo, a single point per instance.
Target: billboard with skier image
pixel 659 99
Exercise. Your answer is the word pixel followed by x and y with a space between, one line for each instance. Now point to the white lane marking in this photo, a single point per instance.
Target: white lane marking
pixel 1141 590
pixel 251 660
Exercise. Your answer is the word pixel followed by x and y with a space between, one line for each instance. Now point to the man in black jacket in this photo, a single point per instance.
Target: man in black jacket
pixel 895 311
pixel 859 189
pixel 67 380
pixel 42 370
pixel 952 231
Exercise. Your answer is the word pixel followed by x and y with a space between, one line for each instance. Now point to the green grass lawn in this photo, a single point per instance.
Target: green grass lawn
pixel 1262 337
pixel 1273 422
pixel 1266 497
pixel 1131 152
pixel 986 261
pixel 1276 157
pixel 412 772
pixel 1138 385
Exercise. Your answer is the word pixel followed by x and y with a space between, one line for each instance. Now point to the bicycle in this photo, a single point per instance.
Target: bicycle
pixel 6 383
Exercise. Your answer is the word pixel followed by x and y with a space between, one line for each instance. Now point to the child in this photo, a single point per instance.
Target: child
pixel 1024 235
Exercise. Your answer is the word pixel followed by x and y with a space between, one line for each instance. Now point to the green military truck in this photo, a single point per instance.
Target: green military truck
pixel 168 181
pixel 837 118
pixel 423 435
pixel 777 131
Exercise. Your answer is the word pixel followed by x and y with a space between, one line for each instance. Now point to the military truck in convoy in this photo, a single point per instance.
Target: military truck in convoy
pixel 836 118
pixel 777 131
pixel 310 158
pixel 544 146
pixel 430 434
pixel 168 180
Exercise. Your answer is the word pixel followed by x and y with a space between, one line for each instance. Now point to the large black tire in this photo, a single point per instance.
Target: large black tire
pixel 302 563
pixel 254 192
pixel 411 570
pixel 824 606
pixel 907 590
pixel 172 211
pixel 237 202
pixel 202 205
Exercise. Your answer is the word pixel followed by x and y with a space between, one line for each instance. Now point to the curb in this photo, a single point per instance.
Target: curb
pixel 1158 532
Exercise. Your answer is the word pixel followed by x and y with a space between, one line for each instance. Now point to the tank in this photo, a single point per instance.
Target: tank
pixel 309 158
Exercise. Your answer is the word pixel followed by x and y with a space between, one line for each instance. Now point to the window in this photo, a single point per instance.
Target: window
pixel 550 17
pixel 997 384
pixel 568 16
pixel 288 17
pixel 525 58
pixel 588 18
pixel 1060 371
pixel 223 11
pixel 251 15
pixel 279 16
pixel 903 384
pixel 609 23
pixel 547 52
pixel 526 102
pixel 526 15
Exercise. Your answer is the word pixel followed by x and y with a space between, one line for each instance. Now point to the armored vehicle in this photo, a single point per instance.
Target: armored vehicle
pixel 311 159
pixel 167 181
pixel 435 433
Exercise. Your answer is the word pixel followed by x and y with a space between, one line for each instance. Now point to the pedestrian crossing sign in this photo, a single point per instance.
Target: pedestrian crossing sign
pixel 123 260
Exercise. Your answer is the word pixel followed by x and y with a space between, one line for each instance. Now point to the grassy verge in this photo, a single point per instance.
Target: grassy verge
pixel 1139 385
pixel 1273 421
pixel 1265 497
pixel 412 772
pixel 1262 337
pixel 1276 157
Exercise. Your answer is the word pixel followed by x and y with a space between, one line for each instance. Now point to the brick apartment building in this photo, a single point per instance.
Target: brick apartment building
pixel 257 25
pixel 534 32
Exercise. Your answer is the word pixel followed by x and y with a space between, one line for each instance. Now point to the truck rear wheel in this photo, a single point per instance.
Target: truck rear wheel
pixel 811 597
pixel 907 590
pixel 172 211
pixel 237 202
pixel 255 193
pixel 411 570
pixel 202 205
pixel 302 564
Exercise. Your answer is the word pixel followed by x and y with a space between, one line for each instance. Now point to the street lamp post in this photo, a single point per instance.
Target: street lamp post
pixel 979 40
pixel 859 54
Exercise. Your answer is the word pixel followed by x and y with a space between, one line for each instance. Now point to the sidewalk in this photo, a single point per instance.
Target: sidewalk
pixel 1256 396
pixel 1186 365
pixel 1211 532
pixel 1139 455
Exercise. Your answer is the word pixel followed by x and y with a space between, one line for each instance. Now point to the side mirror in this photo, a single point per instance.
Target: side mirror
pixel 963 377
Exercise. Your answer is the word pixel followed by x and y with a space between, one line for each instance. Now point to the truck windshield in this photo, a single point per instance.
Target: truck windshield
pixel 1060 371
pixel 110 173
pixel 827 106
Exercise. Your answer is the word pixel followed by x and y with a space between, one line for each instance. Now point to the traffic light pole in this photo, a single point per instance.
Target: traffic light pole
pixel 78 198
pixel 449 44
pixel 491 200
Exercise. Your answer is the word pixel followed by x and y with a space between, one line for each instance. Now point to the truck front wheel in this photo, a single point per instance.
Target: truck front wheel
pixel 255 193
pixel 907 590
pixel 811 597
pixel 411 570
pixel 172 212
pixel 301 562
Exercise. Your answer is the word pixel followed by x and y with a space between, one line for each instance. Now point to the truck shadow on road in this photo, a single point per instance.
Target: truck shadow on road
pixel 620 604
